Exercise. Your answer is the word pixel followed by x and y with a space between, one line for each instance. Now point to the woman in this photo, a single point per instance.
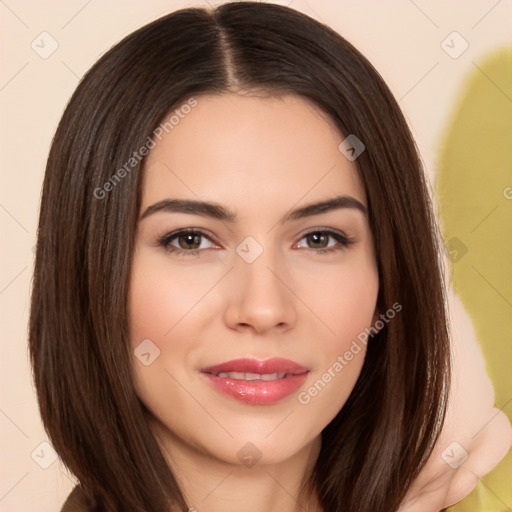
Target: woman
pixel 297 355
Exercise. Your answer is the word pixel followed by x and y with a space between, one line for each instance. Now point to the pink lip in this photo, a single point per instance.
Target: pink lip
pixel 273 365
pixel 257 392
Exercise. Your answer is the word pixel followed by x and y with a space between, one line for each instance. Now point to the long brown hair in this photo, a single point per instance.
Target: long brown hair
pixel 78 334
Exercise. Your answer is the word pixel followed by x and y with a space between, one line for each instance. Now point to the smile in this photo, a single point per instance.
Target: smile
pixel 252 376
pixel 256 382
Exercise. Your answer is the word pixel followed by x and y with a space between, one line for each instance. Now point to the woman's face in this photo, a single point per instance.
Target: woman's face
pixel 259 283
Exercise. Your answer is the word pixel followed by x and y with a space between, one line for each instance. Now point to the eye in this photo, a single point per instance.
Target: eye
pixel 188 241
pixel 320 241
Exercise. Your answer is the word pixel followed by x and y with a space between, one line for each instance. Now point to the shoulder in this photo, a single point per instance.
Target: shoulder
pixel 76 501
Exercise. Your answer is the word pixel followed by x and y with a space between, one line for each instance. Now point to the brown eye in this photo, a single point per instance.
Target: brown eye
pixel 188 242
pixel 319 241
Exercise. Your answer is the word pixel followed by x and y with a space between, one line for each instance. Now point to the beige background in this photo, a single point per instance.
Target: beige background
pixel 402 38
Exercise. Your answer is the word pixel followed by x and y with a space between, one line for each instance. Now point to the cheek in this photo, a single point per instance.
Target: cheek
pixel 164 306
pixel 150 316
pixel 345 304
pixel 354 307
pixel 157 306
pixel 158 301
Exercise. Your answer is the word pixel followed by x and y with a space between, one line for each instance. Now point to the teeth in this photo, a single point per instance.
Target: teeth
pixel 272 376
pixel 251 376
pixel 233 375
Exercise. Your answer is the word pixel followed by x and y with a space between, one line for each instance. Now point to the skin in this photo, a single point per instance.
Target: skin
pixel 260 157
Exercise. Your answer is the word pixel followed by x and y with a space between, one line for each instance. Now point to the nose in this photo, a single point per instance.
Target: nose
pixel 261 297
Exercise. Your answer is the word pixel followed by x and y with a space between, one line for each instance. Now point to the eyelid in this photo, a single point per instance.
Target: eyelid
pixel 325 229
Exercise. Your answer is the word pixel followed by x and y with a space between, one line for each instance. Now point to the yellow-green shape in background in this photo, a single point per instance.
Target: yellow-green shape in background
pixel 474 193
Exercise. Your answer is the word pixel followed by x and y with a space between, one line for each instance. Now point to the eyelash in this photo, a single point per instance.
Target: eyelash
pixel 343 241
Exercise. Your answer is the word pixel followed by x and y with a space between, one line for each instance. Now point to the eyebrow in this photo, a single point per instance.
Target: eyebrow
pixel 217 211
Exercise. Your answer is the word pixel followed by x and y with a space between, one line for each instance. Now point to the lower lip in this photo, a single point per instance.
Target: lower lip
pixel 258 392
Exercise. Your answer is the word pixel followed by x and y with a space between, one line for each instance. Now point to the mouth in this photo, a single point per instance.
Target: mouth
pixel 256 382
pixel 252 376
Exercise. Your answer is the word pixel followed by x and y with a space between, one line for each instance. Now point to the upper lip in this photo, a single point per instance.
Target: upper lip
pixel 273 365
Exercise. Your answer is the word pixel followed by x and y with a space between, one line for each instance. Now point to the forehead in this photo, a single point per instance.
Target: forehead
pixel 249 151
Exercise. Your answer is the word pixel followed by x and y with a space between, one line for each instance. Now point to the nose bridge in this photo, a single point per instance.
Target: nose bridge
pixel 261 299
